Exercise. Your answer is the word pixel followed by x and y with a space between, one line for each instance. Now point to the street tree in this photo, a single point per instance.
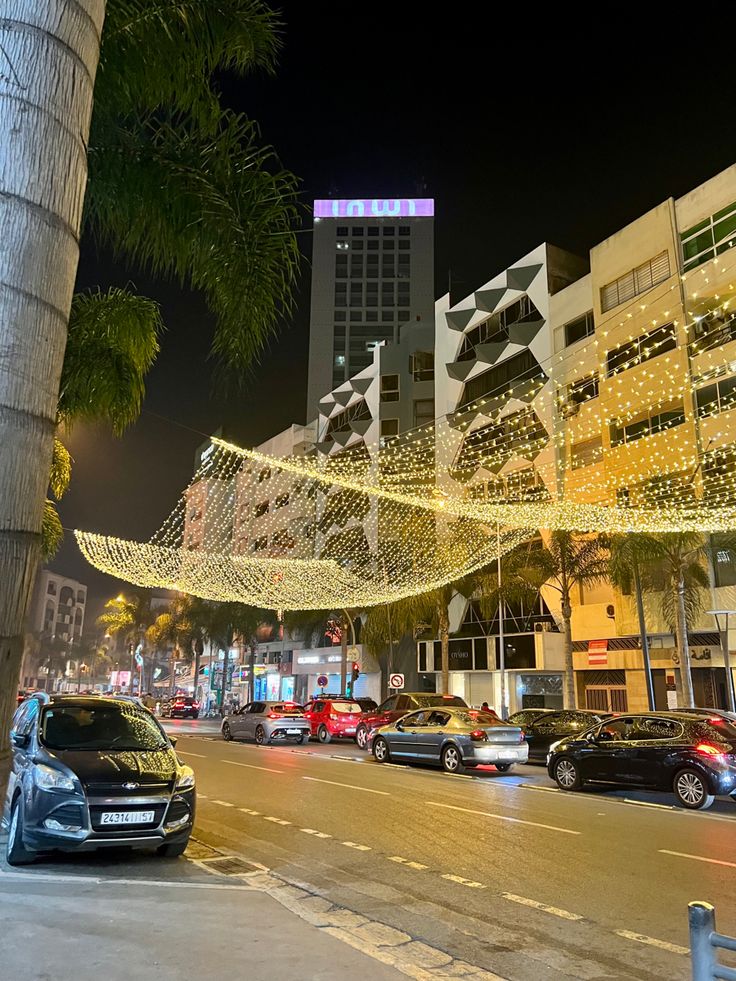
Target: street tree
pixel 129 616
pixel 177 183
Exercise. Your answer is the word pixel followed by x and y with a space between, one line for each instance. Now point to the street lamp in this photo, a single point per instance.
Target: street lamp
pixel 723 630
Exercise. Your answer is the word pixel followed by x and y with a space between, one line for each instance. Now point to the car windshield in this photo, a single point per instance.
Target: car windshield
pixel 346 707
pixel 473 718
pixel 430 701
pixel 111 727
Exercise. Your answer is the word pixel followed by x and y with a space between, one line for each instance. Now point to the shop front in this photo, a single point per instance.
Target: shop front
pixel 312 665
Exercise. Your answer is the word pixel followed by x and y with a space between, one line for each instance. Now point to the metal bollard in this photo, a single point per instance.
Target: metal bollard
pixel 702 920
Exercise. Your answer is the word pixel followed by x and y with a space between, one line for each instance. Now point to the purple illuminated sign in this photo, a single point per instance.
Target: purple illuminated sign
pixel 375 208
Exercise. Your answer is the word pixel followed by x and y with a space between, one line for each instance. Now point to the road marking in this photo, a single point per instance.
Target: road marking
pixel 200 756
pixel 275 820
pixel 463 882
pixel 649 803
pixel 250 766
pixel 354 844
pixel 317 834
pixel 350 786
pixel 407 863
pixel 652 942
pixel 223 803
pixel 349 759
pixel 202 796
pixel 30 877
pixel 504 817
pixel 554 910
pixel 248 810
pixel 698 858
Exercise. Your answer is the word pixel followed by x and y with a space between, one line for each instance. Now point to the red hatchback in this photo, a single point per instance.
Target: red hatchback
pixel 333 717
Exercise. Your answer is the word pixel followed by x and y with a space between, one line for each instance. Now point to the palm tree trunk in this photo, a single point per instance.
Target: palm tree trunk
pixel 568 691
pixel 48 60
pixel 444 629
pixel 683 647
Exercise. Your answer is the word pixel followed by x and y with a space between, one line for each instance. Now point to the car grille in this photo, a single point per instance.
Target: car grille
pixel 69 814
pixel 95 814
pixel 120 790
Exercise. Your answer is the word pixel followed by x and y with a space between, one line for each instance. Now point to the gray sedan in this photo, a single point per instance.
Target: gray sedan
pixel 452 738
pixel 267 721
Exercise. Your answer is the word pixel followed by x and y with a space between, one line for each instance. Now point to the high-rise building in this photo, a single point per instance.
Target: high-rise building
pixel 372 270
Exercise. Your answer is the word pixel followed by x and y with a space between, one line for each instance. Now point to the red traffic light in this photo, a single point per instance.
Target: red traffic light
pixel 356 666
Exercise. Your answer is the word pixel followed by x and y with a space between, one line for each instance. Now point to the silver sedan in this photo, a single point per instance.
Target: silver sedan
pixel 451 737
pixel 266 722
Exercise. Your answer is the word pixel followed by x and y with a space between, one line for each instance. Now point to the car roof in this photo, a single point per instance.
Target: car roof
pixel 88 700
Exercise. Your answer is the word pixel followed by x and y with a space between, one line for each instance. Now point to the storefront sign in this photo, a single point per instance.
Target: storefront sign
pixel 375 208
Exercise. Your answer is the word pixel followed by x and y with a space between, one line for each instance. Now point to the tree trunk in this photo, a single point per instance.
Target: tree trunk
pixel 343 655
pixel 444 630
pixel 568 693
pixel 683 648
pixel 48 60
pixel 198 652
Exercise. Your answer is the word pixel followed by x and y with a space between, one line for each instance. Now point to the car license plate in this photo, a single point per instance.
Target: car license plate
pixel 128 817
pixel 507 754
pixel 293 732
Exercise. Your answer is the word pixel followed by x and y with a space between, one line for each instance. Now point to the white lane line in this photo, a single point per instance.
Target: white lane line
pixel 354 844
pixel 463 882
pixel 30 877
pixel 350 786
pixel 275 820
pixel 317 834
pixel 200 756
pixel 652 942
pixel 504 817
pixel 554 910
pixel 407 863
pixel 250 766
pixel 649 803
pixel 698 858
pixel 248 810
pixel 202 796
pixel 223 803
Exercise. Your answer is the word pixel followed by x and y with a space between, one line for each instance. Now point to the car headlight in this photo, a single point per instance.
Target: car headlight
pixel 185 778
pixel 554 746
pixel 47 778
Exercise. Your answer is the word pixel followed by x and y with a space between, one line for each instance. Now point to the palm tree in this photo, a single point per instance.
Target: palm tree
pixel 176 183
pixel 129 616
pixel 568 562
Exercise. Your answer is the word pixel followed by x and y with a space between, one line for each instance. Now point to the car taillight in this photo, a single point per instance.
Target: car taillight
pixel 479 735
pixel 522 737
pixel 195 705
pixel 708 749
pixel 275 715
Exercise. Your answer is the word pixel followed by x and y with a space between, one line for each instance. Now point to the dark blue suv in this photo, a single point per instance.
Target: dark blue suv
pixel 93 772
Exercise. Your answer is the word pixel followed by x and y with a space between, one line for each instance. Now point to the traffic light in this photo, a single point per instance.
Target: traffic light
pixel 353 678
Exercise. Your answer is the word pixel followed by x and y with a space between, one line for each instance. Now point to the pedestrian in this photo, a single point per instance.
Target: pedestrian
pixel 485 707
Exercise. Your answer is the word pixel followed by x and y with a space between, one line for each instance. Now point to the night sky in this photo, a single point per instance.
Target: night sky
pixel 520 137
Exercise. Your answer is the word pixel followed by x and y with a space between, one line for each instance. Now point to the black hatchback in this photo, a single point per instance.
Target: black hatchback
pixel 692 756
pixel 547 728
pixel 94 772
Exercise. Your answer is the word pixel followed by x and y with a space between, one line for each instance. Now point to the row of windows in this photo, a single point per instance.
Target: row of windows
pixel 388 246
pixel 512 375
pixel 641 349
pixel 709 238
pixel 635 281
pixel 583 389
pixel 370 316
pixel 647 426
pixel 373 231
pixel 495 330
pixel 585 453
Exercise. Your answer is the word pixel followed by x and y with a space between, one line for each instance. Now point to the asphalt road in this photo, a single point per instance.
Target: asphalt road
pixel 501 870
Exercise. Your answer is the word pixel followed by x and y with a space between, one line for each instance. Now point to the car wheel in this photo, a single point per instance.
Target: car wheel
pixel 226 733
pixel 381 751
pixel 691 790
pixel 503 767
pixel 567 774
pixel 323 734
pixel 260 735
pixel 195 715
pixel 361 737
pixel 173 850
pixel 301 740
pixel 452 761
pixel 16 852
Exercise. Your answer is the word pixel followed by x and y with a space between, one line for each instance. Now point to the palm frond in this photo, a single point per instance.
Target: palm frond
pixel 112 343
pixel 61 470
pixel 158 53
pixel 213 210
pixel 52 533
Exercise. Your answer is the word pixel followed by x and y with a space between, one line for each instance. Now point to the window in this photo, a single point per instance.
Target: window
pixel 260 544
pixel 342 246
pixel 260 509
pixel 584 453
pixel 373 230
pixel 421 365
pixel 496 328
pixel 389 230
pixel 389 427
pixel 358 230
pixel 709 238
pixel 390 704
pixel 281 501
pixel 583 389
pixel 355 316
pixel 389 388
pixel 404 245
pixel 576 330
pixel 423 412
pixel 404 230
pixel 340 316
pixel 636 281
pixel 342 231
pixel 373 247
pixel 641 349
pixel 404 315
pixel 389 246
pixel 719 397
pixel 647 425
pixel 511 378
pixel 372 315
pixel 358 246
pixel 51 589
pixel 645 728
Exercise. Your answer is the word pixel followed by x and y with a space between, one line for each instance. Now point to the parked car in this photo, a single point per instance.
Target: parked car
pixel 267 721
pixel 180 707
pixel 366 704
pixel 94 772
pixel 548 728
pixel 333 717
pixel 692 756
pixel 450 737
pixel 708 712
pixel 525 717
pixel 397 706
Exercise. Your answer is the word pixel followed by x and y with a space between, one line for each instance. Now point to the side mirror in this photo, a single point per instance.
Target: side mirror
pixel 173 740
pixel 20 739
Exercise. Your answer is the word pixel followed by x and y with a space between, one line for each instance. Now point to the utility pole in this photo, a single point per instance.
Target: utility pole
pixel 502 651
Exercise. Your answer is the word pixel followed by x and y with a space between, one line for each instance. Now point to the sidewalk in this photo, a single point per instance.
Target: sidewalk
pixel 71 927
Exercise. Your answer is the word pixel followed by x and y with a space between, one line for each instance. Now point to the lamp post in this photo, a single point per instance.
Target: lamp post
pixel 721 617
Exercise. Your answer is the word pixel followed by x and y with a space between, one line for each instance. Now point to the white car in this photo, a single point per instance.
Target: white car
pixel 267 722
